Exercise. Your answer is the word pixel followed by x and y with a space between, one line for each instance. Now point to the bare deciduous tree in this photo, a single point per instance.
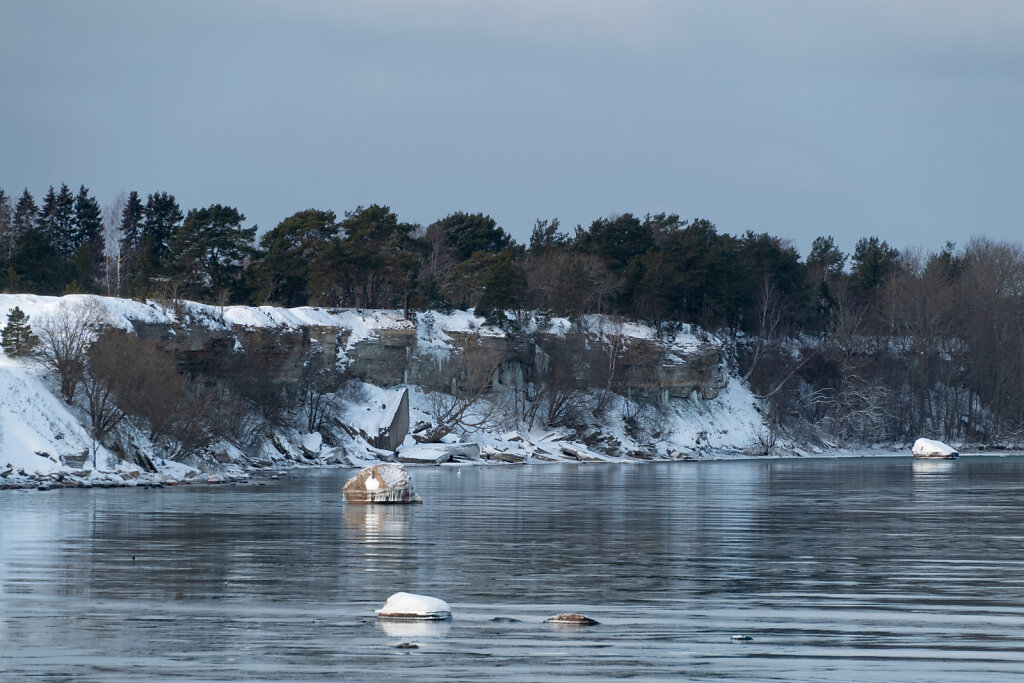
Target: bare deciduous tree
pixel 318 383
pixel 64 339
pixel 610 330
pixel 561 381
pixel 465 407
pixel 113 260
pixel 104 372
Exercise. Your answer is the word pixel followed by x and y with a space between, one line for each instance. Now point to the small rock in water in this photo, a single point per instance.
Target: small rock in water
pixel 572 619
pixel 741 638
pixel 407 646
pixel 505 620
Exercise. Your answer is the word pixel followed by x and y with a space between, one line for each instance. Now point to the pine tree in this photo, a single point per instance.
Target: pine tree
pixel 503 291
pixel 469 233
pixel 282 272
pixel 209 249
pixel 17 337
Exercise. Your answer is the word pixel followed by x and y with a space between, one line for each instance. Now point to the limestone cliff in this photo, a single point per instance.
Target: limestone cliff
pixel 632 363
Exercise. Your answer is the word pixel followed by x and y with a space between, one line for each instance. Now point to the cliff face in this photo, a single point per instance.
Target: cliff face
pixel 636 365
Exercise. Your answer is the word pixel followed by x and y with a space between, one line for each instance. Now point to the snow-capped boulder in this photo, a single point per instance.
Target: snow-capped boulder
pixel 437 453
pixel 311 444
pixel 412 606
pixel 929 448
pixel 571 619
pixel 383 483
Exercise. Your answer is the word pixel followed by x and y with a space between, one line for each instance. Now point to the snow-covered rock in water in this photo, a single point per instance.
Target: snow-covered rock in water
pixel 418 455
pixel 437 453
pixel 929 448
pixel 571 619
pixel 383 483
pixel 412 606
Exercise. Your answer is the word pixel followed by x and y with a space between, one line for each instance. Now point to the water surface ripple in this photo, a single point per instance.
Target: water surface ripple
pixel 838 569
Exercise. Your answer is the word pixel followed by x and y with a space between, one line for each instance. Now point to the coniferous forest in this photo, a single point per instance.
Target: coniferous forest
pixel 874 345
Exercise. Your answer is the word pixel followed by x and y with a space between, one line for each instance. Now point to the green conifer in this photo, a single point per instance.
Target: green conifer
pixel 17 337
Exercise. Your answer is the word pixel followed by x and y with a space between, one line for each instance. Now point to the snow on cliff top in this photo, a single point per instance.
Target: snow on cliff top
pixel 122 312
pixel 361 322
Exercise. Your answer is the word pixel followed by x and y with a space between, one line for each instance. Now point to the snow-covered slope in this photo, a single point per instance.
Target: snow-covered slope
pixel 36 427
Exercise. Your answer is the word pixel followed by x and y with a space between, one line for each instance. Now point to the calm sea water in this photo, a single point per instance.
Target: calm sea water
pixel 852 569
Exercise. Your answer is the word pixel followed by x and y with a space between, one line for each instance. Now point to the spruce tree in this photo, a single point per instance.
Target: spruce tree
pixel 162 218
pixel 88 219
pixel 131 224
pixel 23 220
pixel 6 232
pixel 46 215
pixel 56 220
pixel 88 237
pixel 17 337
pixel 25 214
pixel 65 225
pixel 35 265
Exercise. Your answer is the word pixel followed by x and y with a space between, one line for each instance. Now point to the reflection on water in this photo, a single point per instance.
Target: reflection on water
pixel 378 523
pixel 849 569
pixel 414 629
pixel 933 467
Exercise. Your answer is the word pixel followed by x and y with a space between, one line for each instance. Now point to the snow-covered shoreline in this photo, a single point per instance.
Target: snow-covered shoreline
pixel 44 442
pixel 173 474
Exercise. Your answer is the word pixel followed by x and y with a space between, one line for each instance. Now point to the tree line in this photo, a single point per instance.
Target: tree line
pixel 877 343
pixel 656 267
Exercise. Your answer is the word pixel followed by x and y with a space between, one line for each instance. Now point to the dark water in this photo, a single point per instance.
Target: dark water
pixel 839 570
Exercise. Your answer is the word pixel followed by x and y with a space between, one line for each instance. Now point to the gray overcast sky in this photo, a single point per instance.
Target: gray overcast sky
pixel 900 118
